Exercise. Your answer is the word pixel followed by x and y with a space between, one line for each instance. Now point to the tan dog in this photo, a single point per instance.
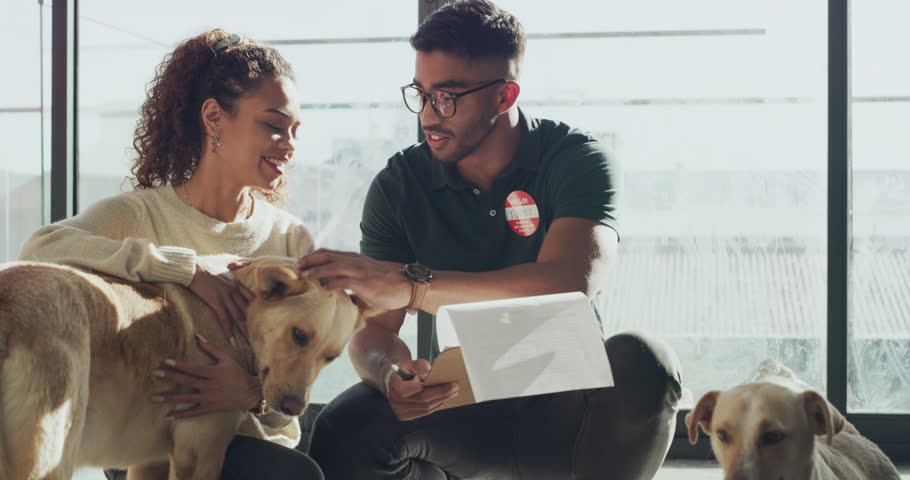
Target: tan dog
pixel 777 428
pixel 77 351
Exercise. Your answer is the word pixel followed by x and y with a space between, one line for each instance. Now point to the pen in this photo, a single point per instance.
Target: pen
pixel 401 373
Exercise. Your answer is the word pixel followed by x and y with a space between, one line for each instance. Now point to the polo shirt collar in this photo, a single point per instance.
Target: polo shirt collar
pixel 442 174
pixel 527 156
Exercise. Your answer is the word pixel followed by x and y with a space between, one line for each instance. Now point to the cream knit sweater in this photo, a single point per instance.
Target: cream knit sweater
pixel 153 236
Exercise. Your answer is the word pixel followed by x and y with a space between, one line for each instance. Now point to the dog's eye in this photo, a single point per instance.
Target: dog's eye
pixel 770 438
pixel 277 290
pixel 300 338
pixel 723 436
pixel 329 358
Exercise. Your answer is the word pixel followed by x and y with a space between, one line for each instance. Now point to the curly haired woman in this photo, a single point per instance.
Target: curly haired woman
pixel 216 134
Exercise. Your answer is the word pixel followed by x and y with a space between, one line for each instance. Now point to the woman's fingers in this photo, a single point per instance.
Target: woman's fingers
pixel 224 320
pixel 194 369
pixel 237 316
pixel 246 293
pixel 241 303
pixel 179 378
pixel 224 294
pixel 213 352
pixel 166 397
pixel 193 411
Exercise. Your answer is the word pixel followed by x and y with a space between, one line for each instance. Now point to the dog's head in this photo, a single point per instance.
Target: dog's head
pixel 296 328
pixel 764 431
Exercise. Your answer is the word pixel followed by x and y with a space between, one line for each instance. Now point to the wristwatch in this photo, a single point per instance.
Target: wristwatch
pixel 420 277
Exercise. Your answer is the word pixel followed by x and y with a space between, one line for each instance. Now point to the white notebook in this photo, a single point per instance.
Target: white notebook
pixel 520 347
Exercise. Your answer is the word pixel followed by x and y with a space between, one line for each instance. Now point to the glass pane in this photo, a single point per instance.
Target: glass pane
pixel 350 127
pixel 642 15
pixel 879 347
pixel 716 111
pixel 21 172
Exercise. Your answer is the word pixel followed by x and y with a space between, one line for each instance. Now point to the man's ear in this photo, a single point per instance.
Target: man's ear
pixel 701 415
pixel 366 311
pixel 824 419
pixel 275 282
pixel 508 96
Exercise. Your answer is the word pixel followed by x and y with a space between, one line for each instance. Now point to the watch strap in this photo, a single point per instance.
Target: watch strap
pixel 418 291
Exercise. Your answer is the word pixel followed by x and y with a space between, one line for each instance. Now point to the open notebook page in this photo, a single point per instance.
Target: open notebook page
pixel 527 346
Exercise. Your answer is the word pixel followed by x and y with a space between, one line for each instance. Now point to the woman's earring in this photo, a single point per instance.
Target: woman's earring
pixel 216 141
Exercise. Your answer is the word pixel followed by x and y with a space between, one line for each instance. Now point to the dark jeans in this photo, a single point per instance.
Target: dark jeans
pixel 620 433
pixel 254 459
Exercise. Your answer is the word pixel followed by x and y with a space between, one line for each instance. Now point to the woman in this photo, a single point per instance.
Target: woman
pixel 216 134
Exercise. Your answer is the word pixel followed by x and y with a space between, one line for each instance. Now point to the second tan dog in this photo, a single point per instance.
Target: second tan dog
pixel 777 428
pixel 77 351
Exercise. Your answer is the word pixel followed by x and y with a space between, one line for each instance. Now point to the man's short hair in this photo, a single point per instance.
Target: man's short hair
pixel 473 29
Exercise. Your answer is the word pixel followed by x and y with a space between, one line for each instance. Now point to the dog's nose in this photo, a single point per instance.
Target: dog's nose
pixel 292 405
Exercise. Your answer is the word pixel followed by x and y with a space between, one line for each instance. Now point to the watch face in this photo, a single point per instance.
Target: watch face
pixel 418 272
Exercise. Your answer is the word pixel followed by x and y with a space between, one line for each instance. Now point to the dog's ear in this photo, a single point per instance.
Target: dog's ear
pixel 823 417
pixel 245 272
pixel 277 282
pixel 366 311
pixel 701 415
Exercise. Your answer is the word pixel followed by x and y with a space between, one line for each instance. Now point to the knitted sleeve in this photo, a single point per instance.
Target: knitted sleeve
pixel 110 237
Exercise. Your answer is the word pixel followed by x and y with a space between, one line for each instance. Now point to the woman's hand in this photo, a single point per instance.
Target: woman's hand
pixel 409 399
pixel 226 296
pixel 224 386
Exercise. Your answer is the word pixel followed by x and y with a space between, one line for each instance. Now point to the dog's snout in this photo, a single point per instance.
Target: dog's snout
pixel 292 405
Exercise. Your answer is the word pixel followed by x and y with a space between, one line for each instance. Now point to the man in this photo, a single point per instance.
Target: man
pixel 444 203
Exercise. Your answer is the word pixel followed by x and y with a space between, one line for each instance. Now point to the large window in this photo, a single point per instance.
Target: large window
pixel 716 111
pixel 348 73
pixel 22 157
pixel 879 376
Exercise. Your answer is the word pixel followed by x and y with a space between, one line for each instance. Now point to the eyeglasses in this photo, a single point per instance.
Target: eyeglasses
pixel 443 102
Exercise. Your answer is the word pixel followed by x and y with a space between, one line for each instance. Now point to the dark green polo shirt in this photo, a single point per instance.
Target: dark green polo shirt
pixel 418 210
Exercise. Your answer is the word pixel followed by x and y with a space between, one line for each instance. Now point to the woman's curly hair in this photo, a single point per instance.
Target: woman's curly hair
pixel 170 136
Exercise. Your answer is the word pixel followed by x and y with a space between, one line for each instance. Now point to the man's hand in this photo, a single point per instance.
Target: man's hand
pixel 409 399
pixel 226 296
pixel 224 386
pixel 381 284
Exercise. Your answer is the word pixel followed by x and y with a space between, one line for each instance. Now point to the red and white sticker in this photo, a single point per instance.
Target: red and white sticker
pixel 522 214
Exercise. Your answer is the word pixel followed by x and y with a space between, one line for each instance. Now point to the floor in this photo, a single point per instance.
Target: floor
pixel 704 470
pixel 673 470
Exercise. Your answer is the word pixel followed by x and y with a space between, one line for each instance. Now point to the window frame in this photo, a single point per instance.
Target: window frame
pixel 883 429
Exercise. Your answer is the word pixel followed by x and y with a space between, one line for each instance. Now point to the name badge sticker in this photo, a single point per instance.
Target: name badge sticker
pixel 522 213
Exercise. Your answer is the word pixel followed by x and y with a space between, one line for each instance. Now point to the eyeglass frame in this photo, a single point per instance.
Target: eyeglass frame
pixel 452 95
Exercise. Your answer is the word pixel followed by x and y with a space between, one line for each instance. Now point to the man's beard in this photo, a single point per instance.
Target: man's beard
pixel 483 127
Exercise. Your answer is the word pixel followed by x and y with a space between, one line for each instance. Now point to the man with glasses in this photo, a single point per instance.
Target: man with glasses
pixel 494 204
